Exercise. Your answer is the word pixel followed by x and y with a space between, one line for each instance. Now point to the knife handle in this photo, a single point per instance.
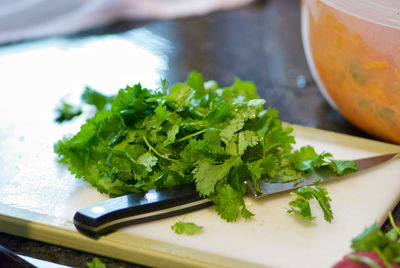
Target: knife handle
pixel 103 218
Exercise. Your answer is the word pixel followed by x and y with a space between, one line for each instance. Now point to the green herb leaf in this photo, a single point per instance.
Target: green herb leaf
pixel 306 159
pixel 188 228
pixel 195 80
pixel 96 263
pixel 95 98
pixel 147 160
pixel 207 175
pixel 67 112
pixel 179 96
pixel 228 203
pixel 301 204
pixel 369 239
pixel 240 91
pixel 301 207
pixel 340 167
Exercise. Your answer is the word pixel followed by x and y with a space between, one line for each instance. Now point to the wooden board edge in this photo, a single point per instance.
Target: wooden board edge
pixel 355 142
pixel 115 246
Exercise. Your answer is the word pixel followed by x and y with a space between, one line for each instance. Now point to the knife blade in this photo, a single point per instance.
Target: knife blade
pixel 105 217
pixel 9 258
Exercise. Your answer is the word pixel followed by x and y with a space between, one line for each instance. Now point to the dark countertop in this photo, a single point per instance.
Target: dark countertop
pixel 261 42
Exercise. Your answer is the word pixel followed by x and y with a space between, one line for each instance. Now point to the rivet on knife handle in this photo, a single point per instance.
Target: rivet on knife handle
pixel 105 217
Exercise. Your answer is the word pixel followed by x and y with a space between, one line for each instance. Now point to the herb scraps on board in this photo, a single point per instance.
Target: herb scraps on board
pixel 188 228
pixel 192 132
pixel 66 112
pixel 96 263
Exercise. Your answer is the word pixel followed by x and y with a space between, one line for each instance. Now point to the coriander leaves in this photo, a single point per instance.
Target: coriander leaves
pixel 96 263
pixel 301 205
pixel 66 112
pixel 192 132
pixel 188 228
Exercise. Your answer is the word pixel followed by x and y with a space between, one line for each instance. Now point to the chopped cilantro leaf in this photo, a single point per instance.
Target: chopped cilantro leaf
pixel 93 97
pixel 306 159
pixel 370 238
pixel 96 263
pixel 67 112
pixel 301 206
pixel 207 175
pixel 317 180
pixel 229 202
pixel 340 167
pixel 188 228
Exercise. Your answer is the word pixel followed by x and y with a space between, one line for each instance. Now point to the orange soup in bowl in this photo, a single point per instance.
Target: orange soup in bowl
pixel 353 50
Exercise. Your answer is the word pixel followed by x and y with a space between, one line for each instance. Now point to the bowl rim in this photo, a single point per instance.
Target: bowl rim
pixel 384 12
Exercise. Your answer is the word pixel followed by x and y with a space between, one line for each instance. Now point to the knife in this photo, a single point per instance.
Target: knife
pixel 105 217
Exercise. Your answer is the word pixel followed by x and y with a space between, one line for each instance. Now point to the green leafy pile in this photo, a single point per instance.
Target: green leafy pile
pixel 197 133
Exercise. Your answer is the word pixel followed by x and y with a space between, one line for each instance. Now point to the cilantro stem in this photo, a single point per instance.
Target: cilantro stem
pixel 125 171
pixel 155 151
pixel 382 257
pixel 363 259
pixel 191 135
pixel 393 223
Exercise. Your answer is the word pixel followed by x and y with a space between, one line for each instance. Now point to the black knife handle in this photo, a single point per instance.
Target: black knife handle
pixel 105 217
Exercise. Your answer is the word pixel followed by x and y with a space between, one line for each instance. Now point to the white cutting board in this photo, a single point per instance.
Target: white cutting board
pixel 40 201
